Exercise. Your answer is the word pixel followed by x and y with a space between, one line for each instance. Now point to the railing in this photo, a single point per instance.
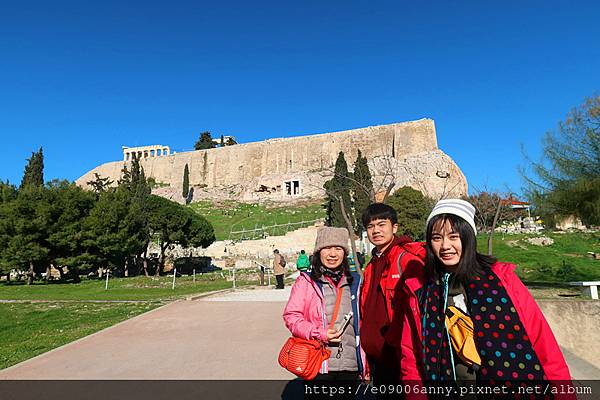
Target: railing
pixel 261 268
pixel 261 232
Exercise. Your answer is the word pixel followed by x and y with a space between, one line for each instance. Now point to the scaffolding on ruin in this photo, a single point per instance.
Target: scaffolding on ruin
pixel 263 231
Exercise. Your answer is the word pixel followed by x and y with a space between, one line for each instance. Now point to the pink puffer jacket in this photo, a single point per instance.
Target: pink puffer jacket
pixel 303 314
pixel 305 317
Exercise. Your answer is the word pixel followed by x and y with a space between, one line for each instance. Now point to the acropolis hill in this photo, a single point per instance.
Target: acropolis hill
pixel 295 168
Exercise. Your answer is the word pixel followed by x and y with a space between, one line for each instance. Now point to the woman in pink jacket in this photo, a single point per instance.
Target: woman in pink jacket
pixel 511 334
pixel 310 307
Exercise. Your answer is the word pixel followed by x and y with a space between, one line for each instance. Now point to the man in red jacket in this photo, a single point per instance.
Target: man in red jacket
pixel 392 255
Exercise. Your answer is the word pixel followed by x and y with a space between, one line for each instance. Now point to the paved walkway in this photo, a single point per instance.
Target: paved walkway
pixel 228 336
pixel 234 335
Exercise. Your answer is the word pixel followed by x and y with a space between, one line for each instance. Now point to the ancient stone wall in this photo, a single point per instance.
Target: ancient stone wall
pixel 287 169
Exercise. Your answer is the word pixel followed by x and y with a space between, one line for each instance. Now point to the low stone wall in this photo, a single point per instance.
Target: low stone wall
pixel 576 326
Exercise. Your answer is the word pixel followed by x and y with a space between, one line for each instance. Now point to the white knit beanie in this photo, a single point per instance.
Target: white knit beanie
pixel 457 207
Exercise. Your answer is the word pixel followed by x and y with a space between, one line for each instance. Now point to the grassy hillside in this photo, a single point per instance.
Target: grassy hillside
pixel 230 216
pixel 564 261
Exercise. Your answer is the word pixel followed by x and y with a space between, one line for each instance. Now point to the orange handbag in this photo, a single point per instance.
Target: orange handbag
pixel 303 357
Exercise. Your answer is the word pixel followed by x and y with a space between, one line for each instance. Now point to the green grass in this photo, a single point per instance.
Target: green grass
pixel 29 329
pixel 229 215
pixel 133 288
pixel 564 261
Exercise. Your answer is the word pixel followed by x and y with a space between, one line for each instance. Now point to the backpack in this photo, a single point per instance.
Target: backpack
pixel 282 261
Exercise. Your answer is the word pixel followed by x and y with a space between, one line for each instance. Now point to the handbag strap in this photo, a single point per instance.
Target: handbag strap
pixel 338 300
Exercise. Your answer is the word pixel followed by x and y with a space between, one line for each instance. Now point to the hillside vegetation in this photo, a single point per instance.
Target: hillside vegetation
pixel 228 216
pixel 564 261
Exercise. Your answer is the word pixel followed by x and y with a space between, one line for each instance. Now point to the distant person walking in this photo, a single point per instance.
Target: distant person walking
pixel 303 263
pixel 278 269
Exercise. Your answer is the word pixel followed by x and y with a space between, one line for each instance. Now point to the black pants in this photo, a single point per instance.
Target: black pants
pixel 382 374
pixel 348 376
pixel 280 284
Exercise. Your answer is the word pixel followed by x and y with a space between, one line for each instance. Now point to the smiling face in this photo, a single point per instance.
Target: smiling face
pixel 332 257
pixel 446 244
pixel 381 233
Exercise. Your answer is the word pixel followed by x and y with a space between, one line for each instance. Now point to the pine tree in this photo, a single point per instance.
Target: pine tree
pixel 8 192
pixel 412 208
pixel 186 182
pixel 132 231
pixel 339 188
pixel 125 177
pixel 100 184
pixel 362 187
pixel 566 181
pixel 34 170
pixel 205 142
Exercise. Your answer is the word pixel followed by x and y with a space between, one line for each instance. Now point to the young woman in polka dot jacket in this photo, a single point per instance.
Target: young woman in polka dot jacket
pixel 511 334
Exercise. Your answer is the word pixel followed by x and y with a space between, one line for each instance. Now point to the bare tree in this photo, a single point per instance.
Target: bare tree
pixel 491 207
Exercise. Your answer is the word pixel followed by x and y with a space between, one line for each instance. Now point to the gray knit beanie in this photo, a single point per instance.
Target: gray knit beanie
pixel 328 236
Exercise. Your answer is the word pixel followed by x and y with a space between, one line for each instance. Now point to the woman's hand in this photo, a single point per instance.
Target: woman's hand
pixel 334 336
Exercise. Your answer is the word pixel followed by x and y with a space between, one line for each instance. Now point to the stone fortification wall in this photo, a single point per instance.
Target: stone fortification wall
pixel 260 170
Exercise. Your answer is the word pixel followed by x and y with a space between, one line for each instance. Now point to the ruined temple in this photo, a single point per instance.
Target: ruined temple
pixel 295 168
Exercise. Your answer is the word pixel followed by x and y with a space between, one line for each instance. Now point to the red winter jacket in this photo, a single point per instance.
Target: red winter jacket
pixel 413 255
pixel 538 330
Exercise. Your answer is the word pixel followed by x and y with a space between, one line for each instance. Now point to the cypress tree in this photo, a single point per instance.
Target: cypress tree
pixel 336 188
pixel 362 186
pixel 135 172
pixel 34 170
pixel 186 182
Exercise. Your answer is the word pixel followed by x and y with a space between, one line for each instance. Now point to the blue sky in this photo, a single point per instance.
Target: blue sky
pixel 83 79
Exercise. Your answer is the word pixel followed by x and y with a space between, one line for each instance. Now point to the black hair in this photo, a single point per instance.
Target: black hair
pixel 379 211
pixel 275 251
pixel 317 267
pixel 472 263
pixel 302 252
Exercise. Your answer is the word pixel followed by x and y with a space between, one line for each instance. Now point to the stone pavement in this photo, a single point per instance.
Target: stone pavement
pixel 237 335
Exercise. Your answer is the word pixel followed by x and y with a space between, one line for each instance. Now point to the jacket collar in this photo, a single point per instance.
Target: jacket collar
pixel 397 241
